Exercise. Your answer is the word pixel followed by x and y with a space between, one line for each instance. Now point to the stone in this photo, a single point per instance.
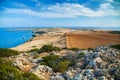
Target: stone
pixel 42 71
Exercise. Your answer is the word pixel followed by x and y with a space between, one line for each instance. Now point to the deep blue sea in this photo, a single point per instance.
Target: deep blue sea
pixel 11 38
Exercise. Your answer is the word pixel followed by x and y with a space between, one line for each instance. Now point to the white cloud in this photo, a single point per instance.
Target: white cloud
pixel 108 9
pixel 38 14
pixel 67 10
pixel 74 9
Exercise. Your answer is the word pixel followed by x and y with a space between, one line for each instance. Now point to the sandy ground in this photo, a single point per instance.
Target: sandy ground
pixel 32 44
pixel 71 39
pixel 54 38
pixel 90 39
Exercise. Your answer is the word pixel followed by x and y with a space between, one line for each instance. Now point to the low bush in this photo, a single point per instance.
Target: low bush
pixel 9 72
pixel 33 46
pixel 74 49
pixel 62 66
pixel 56 63
pixel 65 48
pixel 81 55
pixel 48 48
pixel 33 50
pixel 116 46
pixel 115 32
pixel 49 60
pixel 90 49
pixel 4 52
pixel 29 76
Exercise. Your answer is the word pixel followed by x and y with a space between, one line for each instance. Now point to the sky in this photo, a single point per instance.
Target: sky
pixel 59 13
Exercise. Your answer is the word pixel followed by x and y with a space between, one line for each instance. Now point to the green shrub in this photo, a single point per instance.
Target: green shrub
pixel 116 46
pixel 65 48
pixel 90 49
pixel 9 72
pixel 33 46
pixel 62 66
pixel 4 52
pixel 115 32
pixel 56 63
pixel 29 76
pixel 81 55
pixel 49 60
pixel 48 48
pixel 34 50
pixel 74 49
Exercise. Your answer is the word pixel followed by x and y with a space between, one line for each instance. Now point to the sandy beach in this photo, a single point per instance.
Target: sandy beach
pixel 55 37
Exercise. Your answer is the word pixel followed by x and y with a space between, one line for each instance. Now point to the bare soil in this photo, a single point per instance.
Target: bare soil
pixel 91 39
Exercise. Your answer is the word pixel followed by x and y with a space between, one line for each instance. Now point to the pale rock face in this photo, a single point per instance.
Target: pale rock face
pixel 93 66
pixel 22 64
pixel 56 78
pixel 69 73
pixel 59 77
pixel 99 60
pixel 42 71
pixel 36 60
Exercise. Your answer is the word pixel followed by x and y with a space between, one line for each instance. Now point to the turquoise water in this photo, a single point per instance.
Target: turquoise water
pixel 11 38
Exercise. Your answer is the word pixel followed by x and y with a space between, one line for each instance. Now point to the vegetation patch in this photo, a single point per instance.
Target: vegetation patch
pixel 29 76
pixel 33 50
pixel 90 49
pixel 56 63
pixel 116 46
pixel 48 48
pixel 9 72
pixel 81 55
pixel 115 32
pixel 74 49
pixel 4 52
pixel 65 48
pixel 33 46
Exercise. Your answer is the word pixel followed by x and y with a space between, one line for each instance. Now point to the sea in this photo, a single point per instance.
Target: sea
pixel 12 37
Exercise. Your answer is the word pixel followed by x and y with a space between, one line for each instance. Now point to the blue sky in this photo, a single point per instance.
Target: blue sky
pixel 35 13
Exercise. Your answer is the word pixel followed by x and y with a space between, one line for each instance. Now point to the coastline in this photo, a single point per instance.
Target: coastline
pixel 58 37
pixel 69 40
pixel 51 36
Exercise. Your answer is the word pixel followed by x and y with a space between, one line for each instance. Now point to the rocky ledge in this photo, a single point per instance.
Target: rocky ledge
pixel 101 63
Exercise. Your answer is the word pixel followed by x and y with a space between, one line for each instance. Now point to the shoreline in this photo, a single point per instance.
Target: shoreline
pixel 57 37
pixel 39 39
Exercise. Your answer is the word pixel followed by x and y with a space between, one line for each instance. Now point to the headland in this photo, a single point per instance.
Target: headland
pixel 71 38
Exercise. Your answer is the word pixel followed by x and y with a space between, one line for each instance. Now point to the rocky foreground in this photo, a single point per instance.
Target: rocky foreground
pixel 101 63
